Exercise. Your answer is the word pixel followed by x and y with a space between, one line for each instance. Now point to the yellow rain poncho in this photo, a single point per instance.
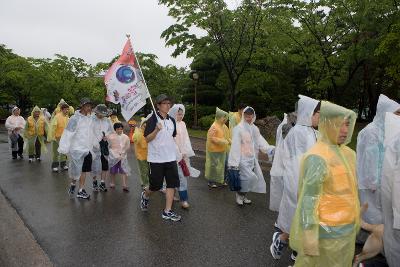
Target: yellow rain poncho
pixel 58 108
pixel 56 129
pixel 327 217
pixel 35 130
pixel 216 147
pixel 140 145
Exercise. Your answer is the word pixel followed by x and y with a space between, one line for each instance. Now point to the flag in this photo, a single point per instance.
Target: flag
pixel 125 83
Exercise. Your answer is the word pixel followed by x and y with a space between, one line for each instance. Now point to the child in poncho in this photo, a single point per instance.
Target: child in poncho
pixel 119 145
pixel 185 152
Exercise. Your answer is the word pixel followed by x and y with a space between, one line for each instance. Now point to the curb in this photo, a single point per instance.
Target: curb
pixel 18 246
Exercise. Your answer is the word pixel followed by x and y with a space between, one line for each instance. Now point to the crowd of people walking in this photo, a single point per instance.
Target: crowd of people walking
pixel 322 190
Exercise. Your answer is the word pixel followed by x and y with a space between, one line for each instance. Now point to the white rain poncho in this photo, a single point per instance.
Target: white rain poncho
pixel 390 188
pixel 246 144
pixel 77 141
pixel 11 124
pixel 182 139
pixel 100 126
pixel 276 173
pixel 300 139
pixel 370 154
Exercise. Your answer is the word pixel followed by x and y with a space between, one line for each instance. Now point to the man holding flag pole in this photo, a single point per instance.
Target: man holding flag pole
pixel 126 85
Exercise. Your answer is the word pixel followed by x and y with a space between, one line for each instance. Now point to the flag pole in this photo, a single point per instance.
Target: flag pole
pixel 144 80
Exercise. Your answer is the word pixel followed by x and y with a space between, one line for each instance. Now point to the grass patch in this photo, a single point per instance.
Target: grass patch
pixel 197 133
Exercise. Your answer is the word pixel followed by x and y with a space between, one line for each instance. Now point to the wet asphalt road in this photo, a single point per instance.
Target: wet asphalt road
pixel 111 230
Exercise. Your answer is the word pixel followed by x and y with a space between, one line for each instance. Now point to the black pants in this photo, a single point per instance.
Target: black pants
pixel 20 150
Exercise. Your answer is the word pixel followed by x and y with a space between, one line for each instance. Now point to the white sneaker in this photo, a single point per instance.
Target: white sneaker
pixel 30 160
pixel 246 200
pixel 239 199
pixel 65 168
pixel 55 169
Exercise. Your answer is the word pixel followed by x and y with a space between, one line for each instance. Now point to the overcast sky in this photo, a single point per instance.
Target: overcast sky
pixel 91 29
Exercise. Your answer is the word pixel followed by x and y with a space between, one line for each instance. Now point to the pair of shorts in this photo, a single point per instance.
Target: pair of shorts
pixel 117 168
pixel 87 163
pixel 159 171
pixel 104 163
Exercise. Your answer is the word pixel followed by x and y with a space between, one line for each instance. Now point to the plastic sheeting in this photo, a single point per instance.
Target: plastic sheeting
pixel 300 138
pixel 370 153
pixel 327 216
pixel 247 142
pixel 390 188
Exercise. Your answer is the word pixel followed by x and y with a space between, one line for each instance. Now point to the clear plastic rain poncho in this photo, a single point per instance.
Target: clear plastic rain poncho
pixel 276 173
pixel 77 141
pixel 11 124
pixel 390 188
pixel 300 139
pixel 216 147
pixel 35 130
pixel 119 146
pixel 247 142
pixel 182 139
pixel 370 154
pixel 100 126
pixel 328 213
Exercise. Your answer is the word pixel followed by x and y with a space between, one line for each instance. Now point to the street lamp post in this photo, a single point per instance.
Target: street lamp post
pixel 195 77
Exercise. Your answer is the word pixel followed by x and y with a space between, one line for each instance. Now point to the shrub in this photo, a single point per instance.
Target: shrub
pixel 206 121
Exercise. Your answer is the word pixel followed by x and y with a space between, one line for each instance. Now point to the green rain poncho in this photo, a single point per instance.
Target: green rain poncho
pixel 216 148
pixel 327 216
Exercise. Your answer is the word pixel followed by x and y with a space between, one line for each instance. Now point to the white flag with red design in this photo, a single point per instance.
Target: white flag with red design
pixel 125 83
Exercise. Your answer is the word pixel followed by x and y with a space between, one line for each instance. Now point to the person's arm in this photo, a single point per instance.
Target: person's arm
pixel 68 134
pixel 212 132
pixel 368 153
pixel 152 129
pixel 9 125
pixel 395 192
pixel 235 152
pixel 310 188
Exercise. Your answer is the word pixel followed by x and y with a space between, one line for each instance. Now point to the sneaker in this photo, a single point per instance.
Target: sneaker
pixel 30 160
pixel 65 168
pixel 95 186
pixel 246 200
pixel 277 246
pixel 83 194
pixel 212 185
pixel 71 190
pixel 103 187
pixel 55 169
pixel 21 156
pixel 38 159
pixel 170 215
pixel 239 199
pixel 293 256
pixel 144 202
pixel 185 205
